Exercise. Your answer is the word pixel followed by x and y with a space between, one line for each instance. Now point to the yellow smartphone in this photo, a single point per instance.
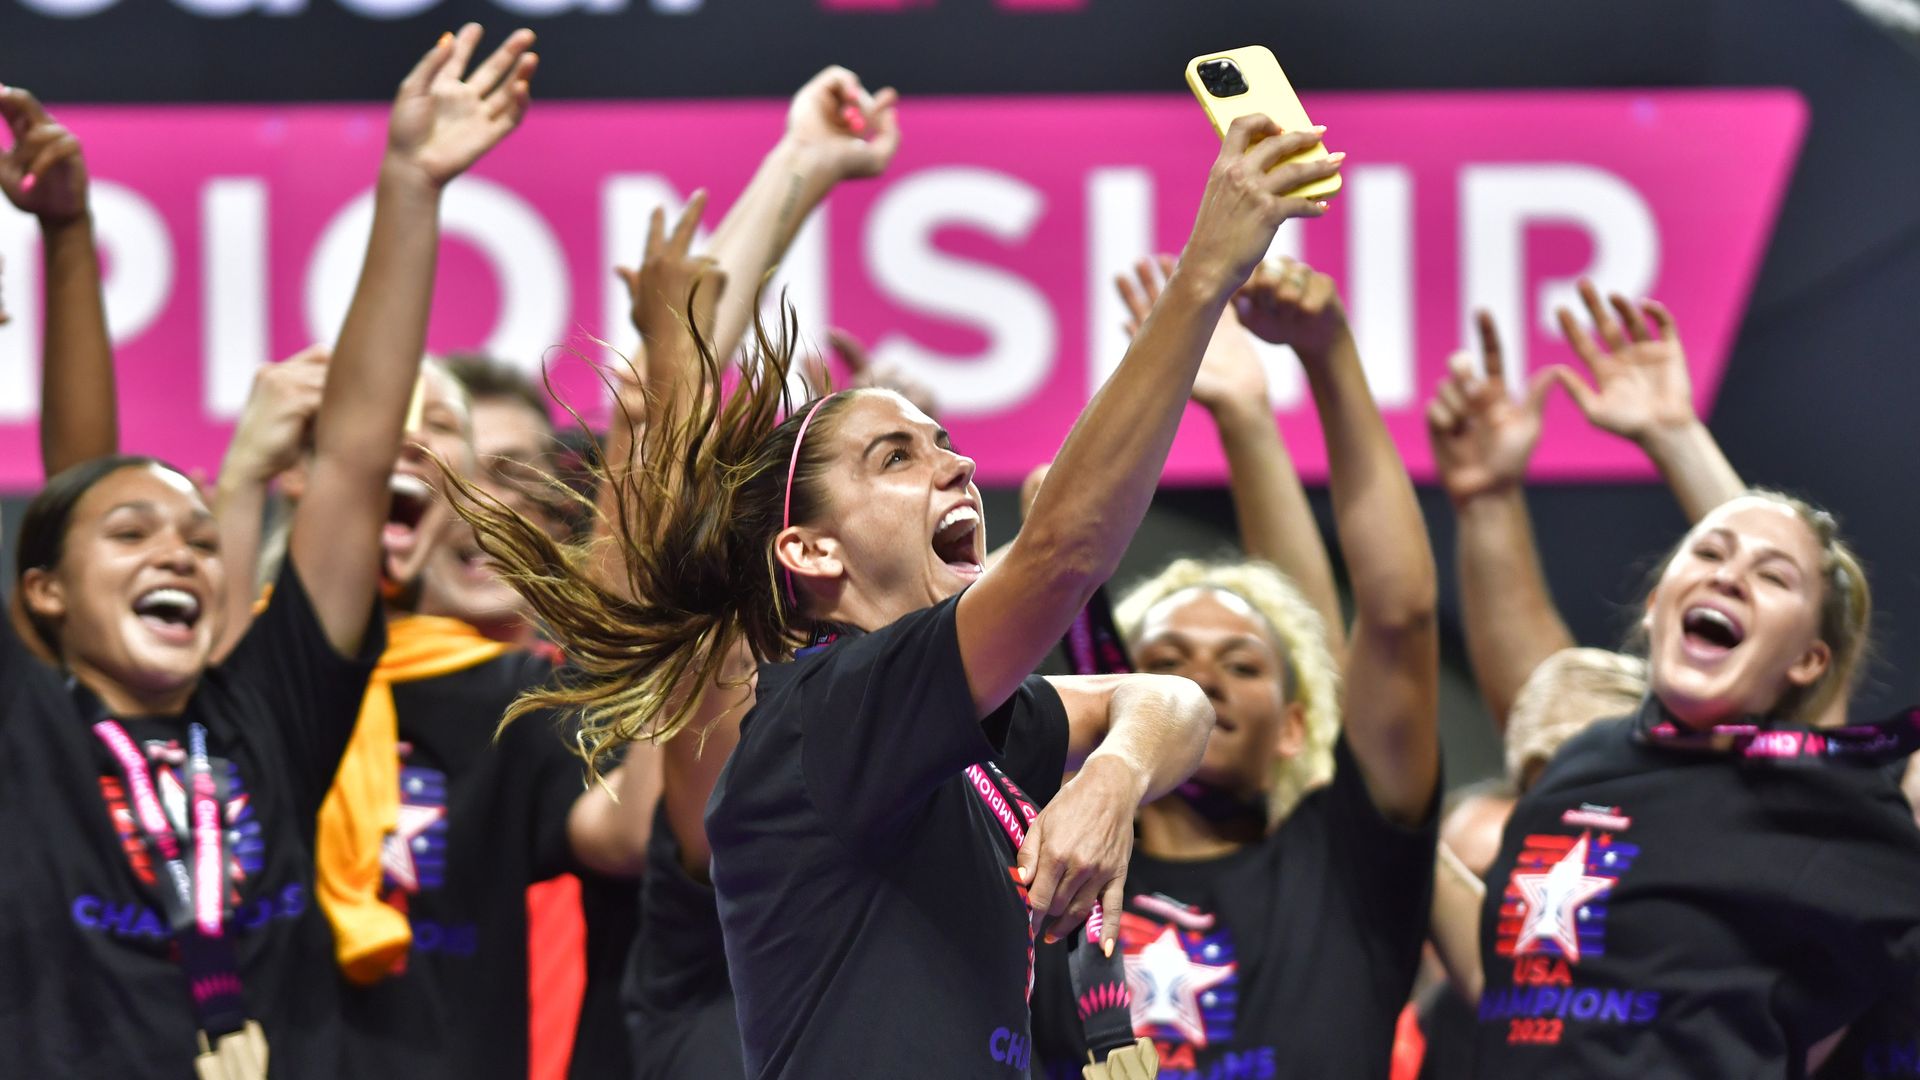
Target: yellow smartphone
pixel 1237 82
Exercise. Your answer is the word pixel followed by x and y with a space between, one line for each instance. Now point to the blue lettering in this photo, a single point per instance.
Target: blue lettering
pixel 254 915
pixel 293 901
pixel 1614 1009
pixel 1645 1006
pixel 1585 1004
pixel 86 911
pixel 149 925
pixel 120 918
pixel 997 1044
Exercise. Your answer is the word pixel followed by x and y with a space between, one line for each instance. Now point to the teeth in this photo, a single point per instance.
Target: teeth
pixel 1710 615
pixel 409 486
pixel 178 601
pixel 955 516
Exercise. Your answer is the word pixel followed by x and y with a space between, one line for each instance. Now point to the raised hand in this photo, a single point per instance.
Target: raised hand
pixel 670 276
pixel 1482 438
pixel 844 131
pixel 1290 303
pixel 1230 372
pixel 1640 380
pixel 44 172
pixel 1245 203
pixel 444 120
pixel 278 419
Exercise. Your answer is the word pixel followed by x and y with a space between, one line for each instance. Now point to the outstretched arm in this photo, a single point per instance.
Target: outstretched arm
pixel 1482 440
pixel 1642 391
pixel 266 442
pixel 1276 521
pixel 1109 466
pixel 442 122
pixel 45 174
pixel 1390 704
pixel 835 131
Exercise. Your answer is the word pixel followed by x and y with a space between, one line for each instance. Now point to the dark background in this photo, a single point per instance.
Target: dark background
pixel 1818 397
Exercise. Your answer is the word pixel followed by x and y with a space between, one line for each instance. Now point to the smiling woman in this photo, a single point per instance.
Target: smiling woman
pixel 1635 916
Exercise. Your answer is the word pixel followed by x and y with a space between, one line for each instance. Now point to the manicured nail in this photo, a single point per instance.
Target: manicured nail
pixel 851 114
pixel 1318 129
pixel 1107 948
pixel 446 38
pixel 1337 156
pixel 1320 206
pixel 1053 939
pixel 27 182
pixel 1025 875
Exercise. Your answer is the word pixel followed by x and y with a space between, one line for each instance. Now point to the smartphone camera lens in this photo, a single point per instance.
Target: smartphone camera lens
pixel 1222 78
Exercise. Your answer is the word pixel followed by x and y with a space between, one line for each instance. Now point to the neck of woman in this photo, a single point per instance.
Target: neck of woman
pixel 1196 822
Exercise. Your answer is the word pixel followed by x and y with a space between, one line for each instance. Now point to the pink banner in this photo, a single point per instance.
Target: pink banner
pixel 982 263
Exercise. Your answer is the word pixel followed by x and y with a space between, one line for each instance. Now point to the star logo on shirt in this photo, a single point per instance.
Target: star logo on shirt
pixel 1167 984
pixel 1554 899
pixel 396 851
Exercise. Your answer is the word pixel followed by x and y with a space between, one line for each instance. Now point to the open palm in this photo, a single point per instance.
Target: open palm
pixel 1640 381
pixel 442 123
pixel 1482 438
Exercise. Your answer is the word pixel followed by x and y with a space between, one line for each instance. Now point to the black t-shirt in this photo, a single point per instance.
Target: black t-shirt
pixel 92 989
pixel 1658 912
pixel 873 924
pixel 479 822
pixel 1291 957
pixel 679 1000
pixel 610 910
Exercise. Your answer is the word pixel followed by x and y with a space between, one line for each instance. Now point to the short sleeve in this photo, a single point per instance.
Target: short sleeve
pixel 1387 867
pixel 311 691
pixel 555 777
pixel 680 958
pixel 884 719
pixel 1035 754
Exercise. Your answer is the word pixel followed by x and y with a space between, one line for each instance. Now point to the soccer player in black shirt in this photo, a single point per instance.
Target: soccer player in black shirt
pixel 1694 890
pixel 1274 919
pixel 159 810
pixel 872 847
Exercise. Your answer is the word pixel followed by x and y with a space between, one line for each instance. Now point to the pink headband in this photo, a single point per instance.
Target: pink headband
pixel 793 465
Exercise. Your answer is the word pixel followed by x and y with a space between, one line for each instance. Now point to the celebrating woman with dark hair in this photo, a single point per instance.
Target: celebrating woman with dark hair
pixel 158 812
pixel 870 851
pixel 1282 890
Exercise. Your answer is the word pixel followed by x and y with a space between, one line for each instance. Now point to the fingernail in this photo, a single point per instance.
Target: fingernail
pixel 851 114
pixel 445 38
pixel 1107 948
pixel 1321 206
pixel 1337 155
pixel 1053 939
pixel 1318 129
pixel 27 182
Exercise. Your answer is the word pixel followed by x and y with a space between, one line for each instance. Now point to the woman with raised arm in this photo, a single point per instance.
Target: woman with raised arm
pixel 1274 917
pixel 160 812
pixel 44 173
pixel 870 853
pixel 1712 886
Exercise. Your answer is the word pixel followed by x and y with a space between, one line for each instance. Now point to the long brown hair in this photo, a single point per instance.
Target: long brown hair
pixel 647 627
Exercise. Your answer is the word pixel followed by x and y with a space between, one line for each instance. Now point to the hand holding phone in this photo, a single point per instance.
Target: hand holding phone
pixel 1241 82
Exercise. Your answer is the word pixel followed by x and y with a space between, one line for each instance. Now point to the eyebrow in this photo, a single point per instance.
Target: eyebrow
pixel 147 506
pixel 1236 641
pixel 1763 551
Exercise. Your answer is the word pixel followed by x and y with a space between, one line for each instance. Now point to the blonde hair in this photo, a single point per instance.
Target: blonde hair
pixel 1846 610
pixel 1565 693
pixel 1310 676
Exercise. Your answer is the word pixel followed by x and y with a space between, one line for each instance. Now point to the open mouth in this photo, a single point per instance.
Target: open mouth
pixel 956 540
pixel 1710 631
pixel 411 497
pixel 169 612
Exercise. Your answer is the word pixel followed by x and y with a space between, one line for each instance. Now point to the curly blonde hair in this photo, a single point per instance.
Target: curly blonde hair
pixel 1567 692
pixel 1311 677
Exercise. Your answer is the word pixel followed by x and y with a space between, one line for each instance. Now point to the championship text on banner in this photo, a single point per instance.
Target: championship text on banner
pixel 981 264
